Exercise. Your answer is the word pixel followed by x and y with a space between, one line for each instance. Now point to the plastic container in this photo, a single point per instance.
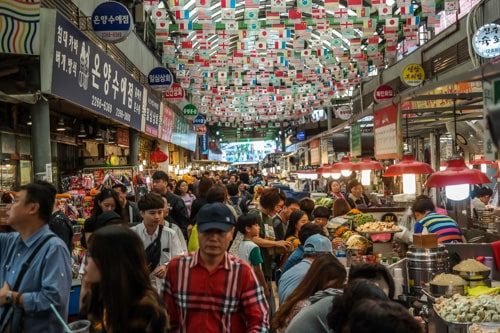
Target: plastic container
pixel 398 282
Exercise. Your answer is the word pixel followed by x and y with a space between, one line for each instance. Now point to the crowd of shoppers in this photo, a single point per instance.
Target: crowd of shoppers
pixel 163 264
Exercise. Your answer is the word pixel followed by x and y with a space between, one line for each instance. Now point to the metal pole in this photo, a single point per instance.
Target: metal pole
pixel 134 147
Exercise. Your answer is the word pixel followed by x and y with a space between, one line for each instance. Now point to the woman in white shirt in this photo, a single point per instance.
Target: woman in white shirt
pixel 482 198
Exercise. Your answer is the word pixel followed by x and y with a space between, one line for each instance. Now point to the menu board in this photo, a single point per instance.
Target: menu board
pixel 387 133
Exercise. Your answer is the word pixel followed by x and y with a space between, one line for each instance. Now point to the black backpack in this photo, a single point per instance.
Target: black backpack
pixel 61 225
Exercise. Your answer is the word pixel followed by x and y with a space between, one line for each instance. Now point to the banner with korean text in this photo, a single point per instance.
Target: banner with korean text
pixel 387 133
pixel 84 74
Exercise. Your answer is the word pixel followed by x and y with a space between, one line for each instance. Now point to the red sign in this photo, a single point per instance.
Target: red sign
pixel 122 138
pixel 167 126
pixel 383 93
pixel 201 130
pixel 176 92
pixel 386 127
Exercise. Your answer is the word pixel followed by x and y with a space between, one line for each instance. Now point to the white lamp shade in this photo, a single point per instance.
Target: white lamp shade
pixel 409 183
pixel 326 175
pixel 345 173
pixel 484 168
pixel 457 192
pixel 336 175
pixel 365 177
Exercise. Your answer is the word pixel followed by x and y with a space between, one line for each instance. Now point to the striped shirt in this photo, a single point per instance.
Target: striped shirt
pixel 445 227
pixel 228 299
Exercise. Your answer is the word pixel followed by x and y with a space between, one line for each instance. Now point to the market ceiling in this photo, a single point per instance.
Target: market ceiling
pixel 253 63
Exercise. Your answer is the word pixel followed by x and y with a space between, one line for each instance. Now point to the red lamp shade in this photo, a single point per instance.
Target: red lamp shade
pixel 158 156
pixel 408 165
pixel 456 173
pixel 326 168
pixel 367 163
pixel 483 161
pixel 344 164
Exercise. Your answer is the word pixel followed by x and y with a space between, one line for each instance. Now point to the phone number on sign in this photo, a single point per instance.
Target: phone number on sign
pixel 100 104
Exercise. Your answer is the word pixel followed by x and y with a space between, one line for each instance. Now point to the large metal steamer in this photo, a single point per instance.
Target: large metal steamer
pixel 423 265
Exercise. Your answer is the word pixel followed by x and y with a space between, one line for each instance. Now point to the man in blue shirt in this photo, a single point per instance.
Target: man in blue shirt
pixel 47 279
pixel 305 232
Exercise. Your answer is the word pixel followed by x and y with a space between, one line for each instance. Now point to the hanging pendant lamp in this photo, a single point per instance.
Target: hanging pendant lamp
pixel 344 166
pixel 483 164
pixel 457 178
pixel 327 172
pixel 408 168
pixel 366 165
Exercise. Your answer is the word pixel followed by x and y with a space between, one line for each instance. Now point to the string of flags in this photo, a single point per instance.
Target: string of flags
pixel 248 64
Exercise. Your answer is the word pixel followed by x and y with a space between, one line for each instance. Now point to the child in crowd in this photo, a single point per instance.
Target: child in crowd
pixel 321 216
pixel 248 225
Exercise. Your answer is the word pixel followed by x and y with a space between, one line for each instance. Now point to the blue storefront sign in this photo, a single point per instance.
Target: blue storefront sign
pixel 160 78
pixel 111 21
pixel 199 120
pixel 85 75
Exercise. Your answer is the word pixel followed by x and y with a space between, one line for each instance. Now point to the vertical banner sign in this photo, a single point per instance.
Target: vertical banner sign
pixel 111 21
pixel 356 140
pixel 152 115
pixel 387 133
pixel 85 75
pixel 204 144
pixel 324 151
pixel 491 98
pixel 167 124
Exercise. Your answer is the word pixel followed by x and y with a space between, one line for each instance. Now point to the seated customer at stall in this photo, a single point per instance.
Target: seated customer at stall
pixel 428 221
pixel 481 199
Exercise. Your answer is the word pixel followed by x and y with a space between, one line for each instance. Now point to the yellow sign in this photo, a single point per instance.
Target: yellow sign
pixel 413 75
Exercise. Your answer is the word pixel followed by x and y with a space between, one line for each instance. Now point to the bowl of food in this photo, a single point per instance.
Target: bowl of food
pixel 472 269
pixel 447 285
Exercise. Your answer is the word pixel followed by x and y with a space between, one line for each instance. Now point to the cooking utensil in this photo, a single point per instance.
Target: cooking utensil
pixel 482 275
pixel 447 291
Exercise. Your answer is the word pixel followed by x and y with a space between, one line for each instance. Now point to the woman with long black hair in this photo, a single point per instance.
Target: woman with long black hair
pixel 120 297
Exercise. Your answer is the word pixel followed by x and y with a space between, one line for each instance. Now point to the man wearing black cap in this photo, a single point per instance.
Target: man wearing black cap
pixel 210 290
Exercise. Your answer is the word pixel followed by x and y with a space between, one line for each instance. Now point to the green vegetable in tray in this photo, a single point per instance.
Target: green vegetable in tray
pixel 360 219
pixel 327 202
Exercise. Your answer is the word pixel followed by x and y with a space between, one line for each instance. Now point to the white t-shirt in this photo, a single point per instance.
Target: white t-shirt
pixel 250 252
pixel 170 247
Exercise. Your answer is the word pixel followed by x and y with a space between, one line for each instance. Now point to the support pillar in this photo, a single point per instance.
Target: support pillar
pixel 435 146
pixel 40 139
pixel 329 118
pixel 134 147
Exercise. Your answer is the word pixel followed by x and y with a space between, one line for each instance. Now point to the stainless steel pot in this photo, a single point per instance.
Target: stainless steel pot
pixel 424 264
pixel 447 291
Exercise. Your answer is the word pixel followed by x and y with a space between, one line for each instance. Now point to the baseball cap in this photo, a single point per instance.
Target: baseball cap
pixel 318 244
pixel 215 216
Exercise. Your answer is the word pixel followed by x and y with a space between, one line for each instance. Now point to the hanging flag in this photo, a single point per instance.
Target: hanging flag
pixel 176 3
pixel 203 3
pixel 228 3
pixel 260 44
pixel 332 5
pixel 392 22
pixel 369 25
pixel 252 3
pixel 278 5
pixel 406 11
pixel 341 12
pixel 159 14
pixel 182 14
pixel 251 14
pixel 318 13
pixel 273 18
pixel 228 13
pixel 187 44
pixel 384 11
pixel 450 6
pixel 429 8
pixel 323 26
pixel 294 14
pixel 354 3
pixel 231 26
pixel 285 34
pixel 304 6
pixel 161 24
pixel 204 14
pixel 363 11
pixel 412 21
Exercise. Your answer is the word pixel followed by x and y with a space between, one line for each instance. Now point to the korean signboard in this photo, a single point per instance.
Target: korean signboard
pixel 160 78
pixel 85 75
pixel 151 121
pixel 175 93
pixel 199 120
pixel 204 144
pixel 387 133
pixel 486 41
pixel 190 110
pixel 344 112
pixel 167 125
pixel 413 75
pixel 111 21
pixel 355 140
pixel 383 93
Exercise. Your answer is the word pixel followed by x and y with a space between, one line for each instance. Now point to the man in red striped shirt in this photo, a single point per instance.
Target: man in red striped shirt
pixel 210 290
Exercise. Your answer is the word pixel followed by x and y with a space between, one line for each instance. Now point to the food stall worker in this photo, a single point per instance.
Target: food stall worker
pixel 333 190
pixel 428 221
pixel 482 198
pixel 356 198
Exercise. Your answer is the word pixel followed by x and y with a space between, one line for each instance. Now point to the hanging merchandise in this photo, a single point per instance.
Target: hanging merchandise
pixel 157 156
